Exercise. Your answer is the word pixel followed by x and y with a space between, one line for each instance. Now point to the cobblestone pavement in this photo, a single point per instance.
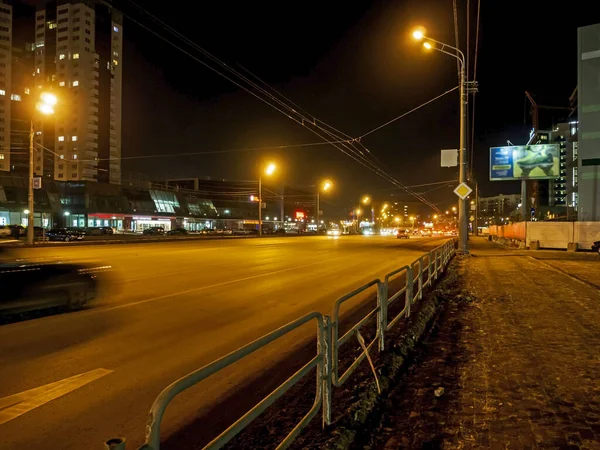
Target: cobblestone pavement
pixel 518 359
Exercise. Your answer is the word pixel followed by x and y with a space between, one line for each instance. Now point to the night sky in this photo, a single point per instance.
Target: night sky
pixel 350 64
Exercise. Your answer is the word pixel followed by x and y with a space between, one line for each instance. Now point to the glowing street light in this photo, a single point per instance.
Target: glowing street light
pixel 366 199
pixel 419 33
pixel 45 107
pixel 429 43
pixel 269 170
pixel 324 186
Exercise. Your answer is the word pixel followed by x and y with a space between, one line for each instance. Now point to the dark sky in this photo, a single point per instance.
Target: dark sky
pixel 352 65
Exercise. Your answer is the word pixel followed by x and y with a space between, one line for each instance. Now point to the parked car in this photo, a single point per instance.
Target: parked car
pixel 154 231
pixel 21 229
pixel 107 230
pixel 5 231
pixel 28 286
pixel 79 230
pixel 596 247
pixel 62 234
pixel 403 234
pixel 177 232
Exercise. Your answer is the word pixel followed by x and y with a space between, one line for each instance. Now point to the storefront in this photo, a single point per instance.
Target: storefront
pixel 192 224
pixel 141 223
pixel 104 220
pixel 21 218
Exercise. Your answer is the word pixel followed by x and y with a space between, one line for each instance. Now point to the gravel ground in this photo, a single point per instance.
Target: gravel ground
pixel 513 363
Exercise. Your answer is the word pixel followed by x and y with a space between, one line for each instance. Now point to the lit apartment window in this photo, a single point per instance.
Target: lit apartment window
pixel 75 156
pixel 75 83
pixel 27 91
pixel 39 44
pixel 1 155
pixel 62 156
pixel 73 138
pixel 2 92
pixel 61 56
pixel 75 55
pixel 37 70
pixel 15 97
pixel 61 139
pixel 51 25
pixel 62 83
pixel 116 29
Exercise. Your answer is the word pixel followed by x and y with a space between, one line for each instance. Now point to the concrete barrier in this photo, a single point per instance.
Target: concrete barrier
pixel 550 234
pixel 586 233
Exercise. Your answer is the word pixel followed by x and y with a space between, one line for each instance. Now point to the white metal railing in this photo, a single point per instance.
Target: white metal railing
pixel 418 275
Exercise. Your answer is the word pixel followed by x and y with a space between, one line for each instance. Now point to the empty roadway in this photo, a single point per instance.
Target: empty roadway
pixel 171 308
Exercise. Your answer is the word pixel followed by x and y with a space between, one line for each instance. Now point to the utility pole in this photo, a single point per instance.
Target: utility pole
pixel 260 205
pixel 463 226
pixel 318 206
pixel 30 230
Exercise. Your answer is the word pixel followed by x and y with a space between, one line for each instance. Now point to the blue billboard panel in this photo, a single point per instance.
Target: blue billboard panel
pixel 525 162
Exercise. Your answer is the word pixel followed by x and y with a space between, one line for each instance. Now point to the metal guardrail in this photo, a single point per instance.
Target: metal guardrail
pixel 326 360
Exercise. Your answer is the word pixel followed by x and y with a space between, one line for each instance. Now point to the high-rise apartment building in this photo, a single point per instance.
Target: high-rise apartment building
pixel 75 52
pixel 78 54
pixel 5 83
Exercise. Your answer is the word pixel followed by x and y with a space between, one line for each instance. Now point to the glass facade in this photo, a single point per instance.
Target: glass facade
pixel 165 202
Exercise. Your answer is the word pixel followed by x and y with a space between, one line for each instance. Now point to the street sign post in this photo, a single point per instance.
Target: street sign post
pixel 37 182
pixel 463 191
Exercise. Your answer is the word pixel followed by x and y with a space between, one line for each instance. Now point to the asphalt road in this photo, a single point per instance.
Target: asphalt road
pixel 172 308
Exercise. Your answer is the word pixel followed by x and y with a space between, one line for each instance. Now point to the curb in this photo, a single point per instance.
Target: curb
pixel 392 365
pixel 138 241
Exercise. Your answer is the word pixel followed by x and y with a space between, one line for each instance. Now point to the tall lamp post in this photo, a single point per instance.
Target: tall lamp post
pixel 269 170
pixel 324 186
pixel 46 107
pixel 429 43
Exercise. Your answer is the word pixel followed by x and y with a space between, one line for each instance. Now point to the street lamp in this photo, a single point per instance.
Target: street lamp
pixel 419 34
pixel 46 107
pixel 269 170
pixel 324 186
pixel 366 199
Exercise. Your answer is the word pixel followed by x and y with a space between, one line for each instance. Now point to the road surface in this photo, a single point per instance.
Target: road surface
pixel 171 308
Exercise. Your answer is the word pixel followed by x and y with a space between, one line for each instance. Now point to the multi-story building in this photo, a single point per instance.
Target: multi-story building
pixel 5 83
pixel 588 145
pixel 497 209
pixel 78 53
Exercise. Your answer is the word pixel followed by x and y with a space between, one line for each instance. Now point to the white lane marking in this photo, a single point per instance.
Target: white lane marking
pixel 210 286
pixel 16 405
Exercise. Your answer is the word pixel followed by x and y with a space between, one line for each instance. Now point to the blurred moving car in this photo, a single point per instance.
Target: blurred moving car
pixel 154 231
pixel 63 234
pixel 596 247
pixel 177 232
pixel 28 286
pixel 333 232
pixel 402 234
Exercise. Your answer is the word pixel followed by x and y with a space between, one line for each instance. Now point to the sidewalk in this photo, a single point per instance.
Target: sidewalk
pixel 518 358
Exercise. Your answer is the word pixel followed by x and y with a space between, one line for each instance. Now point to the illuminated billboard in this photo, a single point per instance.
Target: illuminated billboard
pixel 529 162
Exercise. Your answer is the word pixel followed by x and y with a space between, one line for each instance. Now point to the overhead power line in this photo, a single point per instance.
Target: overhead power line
pixel 354 150
pixel 408 112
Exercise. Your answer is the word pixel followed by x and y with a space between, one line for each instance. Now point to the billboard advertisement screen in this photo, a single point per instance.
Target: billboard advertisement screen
pixel 529 162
